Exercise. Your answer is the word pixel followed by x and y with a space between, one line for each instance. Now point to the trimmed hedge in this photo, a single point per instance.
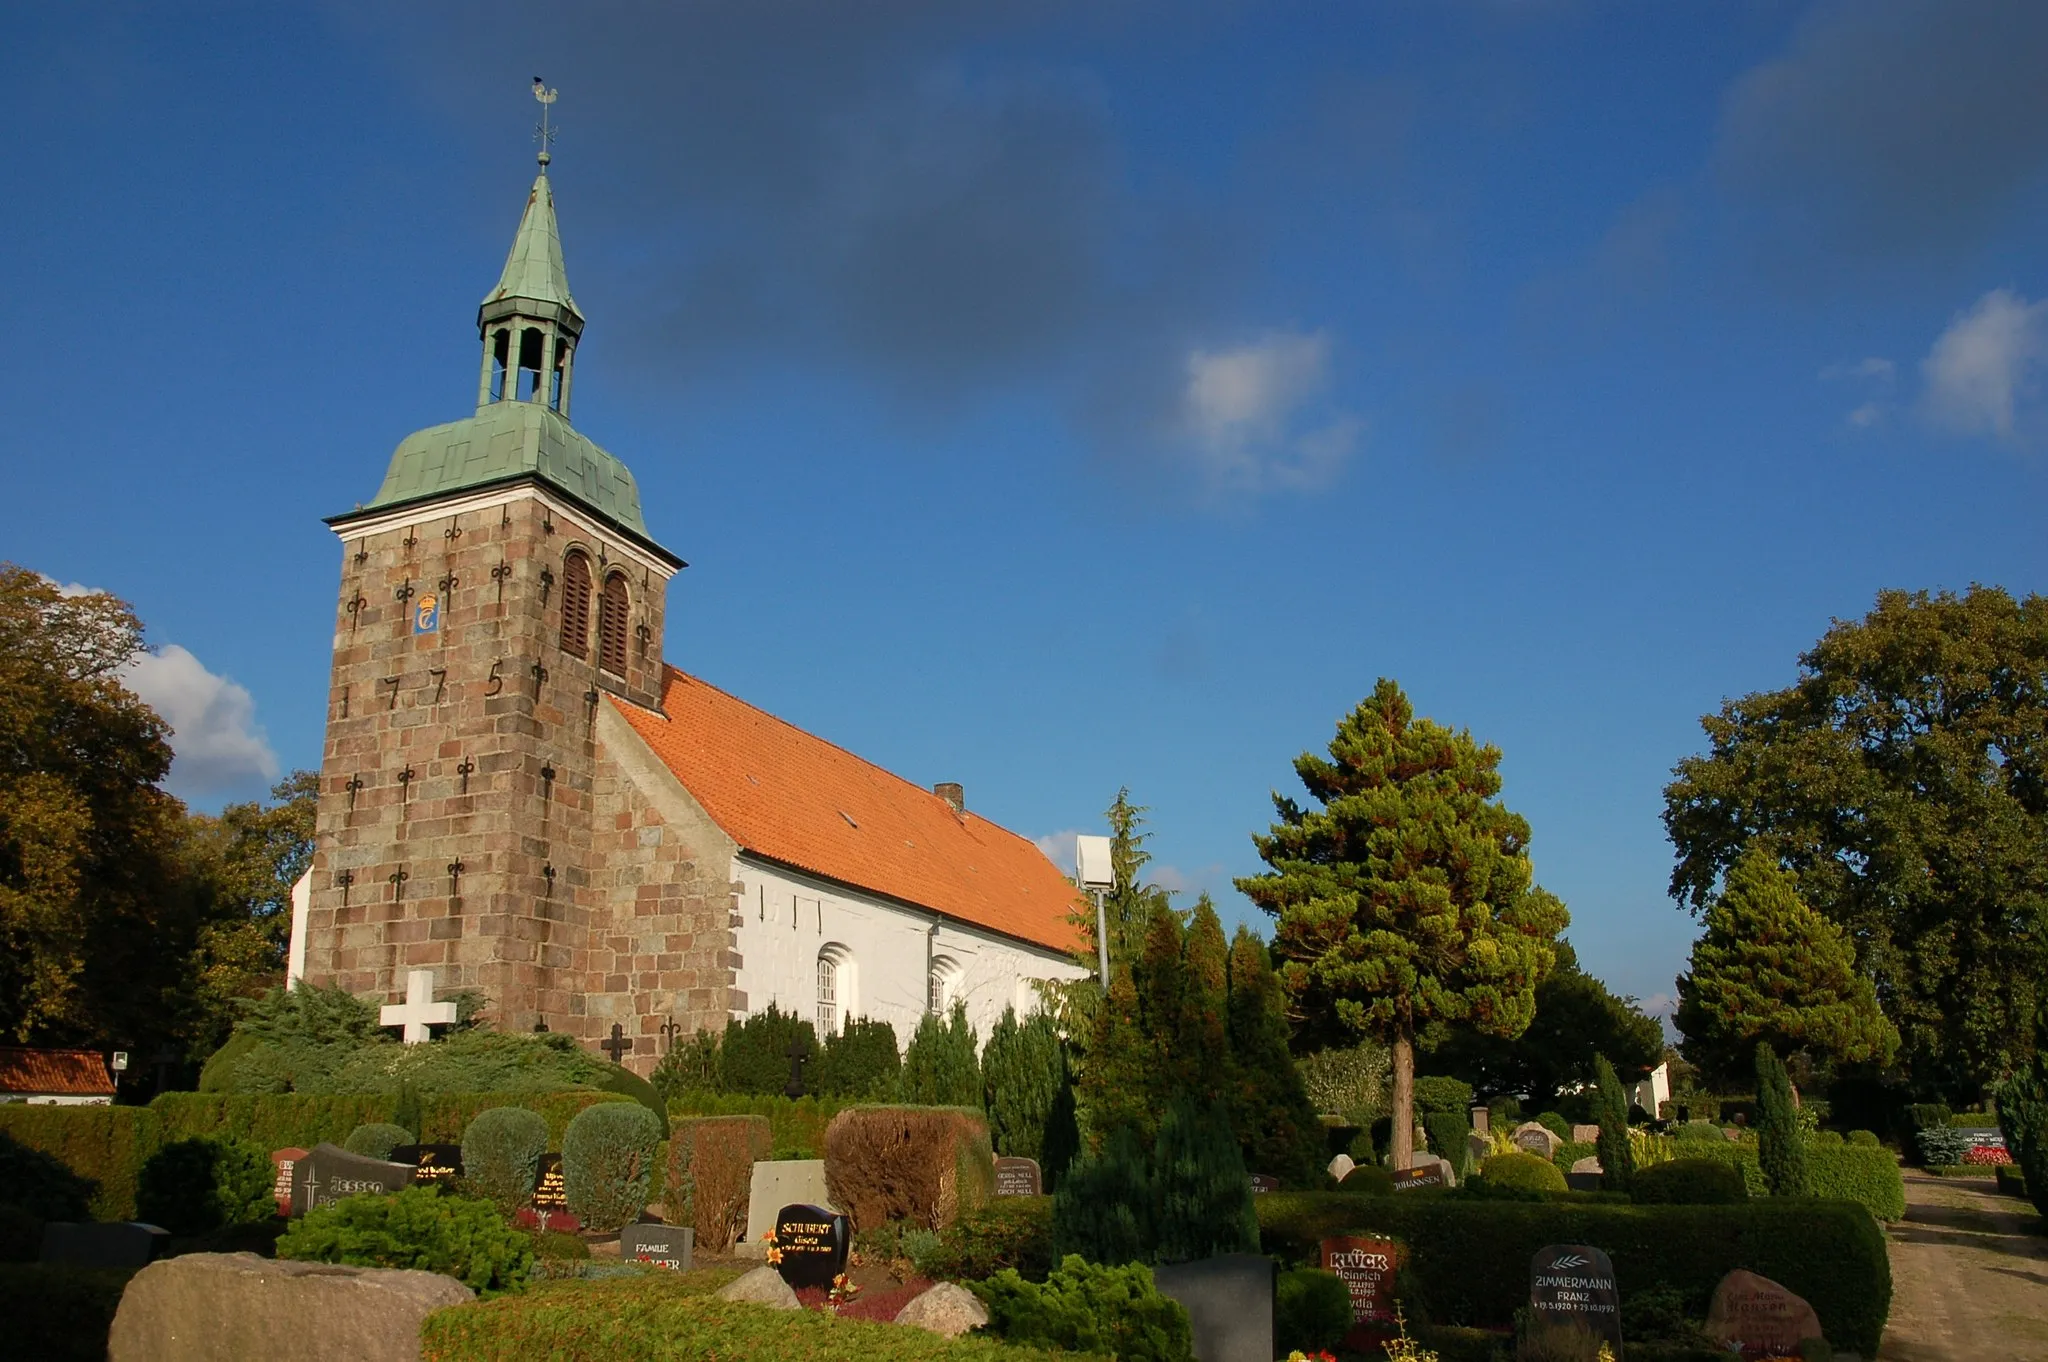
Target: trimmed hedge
pixel 1469 1259
pixel 1525 1172
pixel 608 1163
pixel 798 1123
pixel 1847 1172
pixel 284 1120
pixel 666 1315
pixel 1009 1232
pixel 927 1164
pixel 501 1152
pixel 1689 1182
pixel 710 1174
pixel 106 1145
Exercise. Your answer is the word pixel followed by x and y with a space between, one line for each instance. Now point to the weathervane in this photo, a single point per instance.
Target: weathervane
pixel 544 133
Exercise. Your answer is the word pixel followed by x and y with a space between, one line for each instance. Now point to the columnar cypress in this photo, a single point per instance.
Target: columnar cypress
pixel 1201 1196
pixel 1781 1146
pixel 1203 1044
pixel 2023 1116
pixel 1103 1208
pixel 1022 1072
pixel 1617 1160
pixel 1276 1124
pixel 940 1068
pixel 1115 1085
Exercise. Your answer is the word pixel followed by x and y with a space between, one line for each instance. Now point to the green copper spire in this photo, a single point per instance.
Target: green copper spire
pixel 534 283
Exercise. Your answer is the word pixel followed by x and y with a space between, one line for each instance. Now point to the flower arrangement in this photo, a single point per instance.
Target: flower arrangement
pixel 1986 1156
pixel 774 1252
pixel 1319 1355
pixel 1402 1348
pixel 843 1291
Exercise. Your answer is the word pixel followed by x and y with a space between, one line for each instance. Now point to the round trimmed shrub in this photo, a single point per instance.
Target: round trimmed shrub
pixel 1824 1138
pixel 608 1163
pixel 1866 1138
pixel 201 1185
pixel 1311 1310
pixel 1522 1172
pixel 1555 1123
pixel 376 1139
pixel 1698 1130
pixel 1689 1182
pixel 501 1153
pixel 1087 1307
pixel 1370 1179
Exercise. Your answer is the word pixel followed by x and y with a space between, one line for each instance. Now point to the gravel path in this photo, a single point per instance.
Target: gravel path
pixel 1969 1275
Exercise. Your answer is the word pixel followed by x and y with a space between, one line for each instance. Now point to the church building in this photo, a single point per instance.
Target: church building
pixel 518 793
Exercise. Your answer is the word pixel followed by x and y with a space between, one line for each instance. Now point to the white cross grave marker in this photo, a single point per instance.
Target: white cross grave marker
pixel 419 1010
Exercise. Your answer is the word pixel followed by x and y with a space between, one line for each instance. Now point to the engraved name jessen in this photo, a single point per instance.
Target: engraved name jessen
pixel 349 1186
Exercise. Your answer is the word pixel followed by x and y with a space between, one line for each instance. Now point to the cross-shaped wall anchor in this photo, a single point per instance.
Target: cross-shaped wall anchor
pixel 448 584
pixel 618 1045
pixel 362 552
pixel 403 592
pixel 405 779
pixel 419 1011
pixel 539 675
pixel 548 873
pixel 355 611
pixel 354 786
pixel 345 879
pixel 397 879
pixel 463 770
pixel 498 575
pixel 547 579
pixel 644 634
pixel 547 780
pixel 669 1032
pixel 452 533
pixel 410 540
pixel 454 879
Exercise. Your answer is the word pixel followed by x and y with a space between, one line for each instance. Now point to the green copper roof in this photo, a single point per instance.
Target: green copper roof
pixel 533 270
pixel 507 440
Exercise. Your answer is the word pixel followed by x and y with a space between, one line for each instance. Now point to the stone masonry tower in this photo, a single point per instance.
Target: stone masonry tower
pixel 497 585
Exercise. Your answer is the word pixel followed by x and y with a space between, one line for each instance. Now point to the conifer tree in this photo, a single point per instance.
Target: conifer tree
pixel 1201 1195
pixel 1276 1124
pixel 2023 1119
pixel 1781 1145
pixel 1103 1207
pixel 1022 1071
pixel 1127 908
pixel 1617 1159
pixel 940 1068
pixel 1403 903
pixel 1115 1087
pixel 1061 1144
pixel 1203 1036
pixel 1769 968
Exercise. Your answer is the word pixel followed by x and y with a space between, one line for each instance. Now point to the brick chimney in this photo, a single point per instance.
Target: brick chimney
pixel 950 791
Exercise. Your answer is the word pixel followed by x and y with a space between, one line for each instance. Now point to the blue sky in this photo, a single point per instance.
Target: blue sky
pixel 1053 398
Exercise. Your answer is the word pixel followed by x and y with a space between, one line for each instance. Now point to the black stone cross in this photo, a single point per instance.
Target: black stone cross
pixel 798 1053
pixel 617 1046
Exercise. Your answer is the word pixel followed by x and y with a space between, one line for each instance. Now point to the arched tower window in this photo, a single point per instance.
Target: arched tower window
pixel 611 625
pixel 939 983
pixel 576 603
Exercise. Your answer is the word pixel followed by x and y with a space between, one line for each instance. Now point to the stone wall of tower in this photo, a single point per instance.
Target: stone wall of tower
pixel 475 745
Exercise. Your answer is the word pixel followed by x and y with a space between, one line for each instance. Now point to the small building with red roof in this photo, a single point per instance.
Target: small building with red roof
pixel 55 1077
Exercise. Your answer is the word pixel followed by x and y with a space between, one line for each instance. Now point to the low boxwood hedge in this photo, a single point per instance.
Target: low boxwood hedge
pixel 284 1120
pixel 663 1315
pixel 797 1123
pixel 104 1145
pixel 1470 1258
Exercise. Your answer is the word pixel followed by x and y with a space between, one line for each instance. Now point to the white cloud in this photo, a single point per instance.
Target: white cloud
pixel 1982 369
pixel 1866 416
pixel 1875 368
pixel 215 739
pixel 1244 411
pixel 1059 848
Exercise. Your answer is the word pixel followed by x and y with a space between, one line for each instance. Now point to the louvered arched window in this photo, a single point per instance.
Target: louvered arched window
pixel 576 603
pixel 611 625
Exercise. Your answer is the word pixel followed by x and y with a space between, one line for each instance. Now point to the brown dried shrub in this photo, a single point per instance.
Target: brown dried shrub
pixel 711 1172
pixel 922 1164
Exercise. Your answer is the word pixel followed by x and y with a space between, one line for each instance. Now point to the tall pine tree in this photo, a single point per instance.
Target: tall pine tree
pixel 1404 903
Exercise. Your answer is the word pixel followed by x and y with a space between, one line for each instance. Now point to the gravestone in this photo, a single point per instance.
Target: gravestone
pixel 1982 1137
pixel 1366 1266
pixel 284 1159
pixel 1759 1318
pixel 1482 1120
pixel 330 1173
pixel 1589 1164
pixel 1262 1183
pixel 1480 1147
pixel 1534 1138
pixel 430 1162
pixel 1582 1134
pixel 1435 1173
pixel 1574 1283
pixel 668 1246
pixel 1018 1177
pixel 778 1183
pixel 548 1207
pixel 1229 1300
pixel 810 1245
pixel 125 1243
pixel 1341 1166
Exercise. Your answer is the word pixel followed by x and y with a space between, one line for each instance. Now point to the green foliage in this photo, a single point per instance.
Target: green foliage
pixel 1864 1174
pixel 623 1081
pixel 798 1123
pixel 859 1062
pixel 1023 1069
pixel 1087 1307
pixel 1771 969
pixel 276 1121
pixel 420 1227
pixel 1062 1142
pixel 1781 1146
pixel 1404 903
pixel 462 1062
pixel 1617 1158
pixel 1276 1125
pixel 406 1113
pixel 940 1068
pixel 104 1147
pixel 1941 1145
pixel 1012 1232
pixel 1127 907
pixel 59 1313
pixel 1522 1172
pixel 1311 1310
pixel 1698 1130
pixel 608 1163
pixel 692 1066
pixel 1449 1137
pixel 1895 776
pixel 753 1055
pixel 1436 1093
pixel 2023 1119
pixel 1689 1182
pixel 1350 1081
pixel 1469 1258
pixel 204 1185
pixel 659 1316
pixel 1866 1138
pixel 1201 1194
pixel 1102 1209
pixel 1555 1123
pixel 377 1139
pixel 501 1152
pixel 41 1183
pixel 1576 1017
pixel 1571 1151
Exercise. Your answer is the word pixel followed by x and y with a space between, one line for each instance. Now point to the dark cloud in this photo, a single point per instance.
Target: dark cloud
pixel 1889 128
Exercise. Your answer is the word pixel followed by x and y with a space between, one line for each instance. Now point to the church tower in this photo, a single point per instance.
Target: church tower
pixel 497 586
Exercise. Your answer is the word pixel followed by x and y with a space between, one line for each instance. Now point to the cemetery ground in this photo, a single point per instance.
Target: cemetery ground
pixel 1969 1275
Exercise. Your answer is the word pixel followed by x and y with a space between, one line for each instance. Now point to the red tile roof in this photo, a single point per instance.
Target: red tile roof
pixel 64 1073
pixel 792 797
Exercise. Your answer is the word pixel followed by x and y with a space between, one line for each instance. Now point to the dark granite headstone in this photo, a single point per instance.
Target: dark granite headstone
pixel 1415 1179
pixel 1263 1183
pixel 1366 1266
pixel 430 1162
pixel 126 1243
pixel 1018 1177
pixel 1575 1282
pixel 285 1159
pixel 330 1173
pixel 668 1246
pixel 1229 1301
pixel 810 1245
pixel 548 1207
pixel 1981 1137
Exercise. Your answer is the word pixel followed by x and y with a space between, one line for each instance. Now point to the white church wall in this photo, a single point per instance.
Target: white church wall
pixel 879 949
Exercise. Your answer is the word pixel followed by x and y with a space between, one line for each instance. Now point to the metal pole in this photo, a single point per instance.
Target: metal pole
pixel 1102 939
